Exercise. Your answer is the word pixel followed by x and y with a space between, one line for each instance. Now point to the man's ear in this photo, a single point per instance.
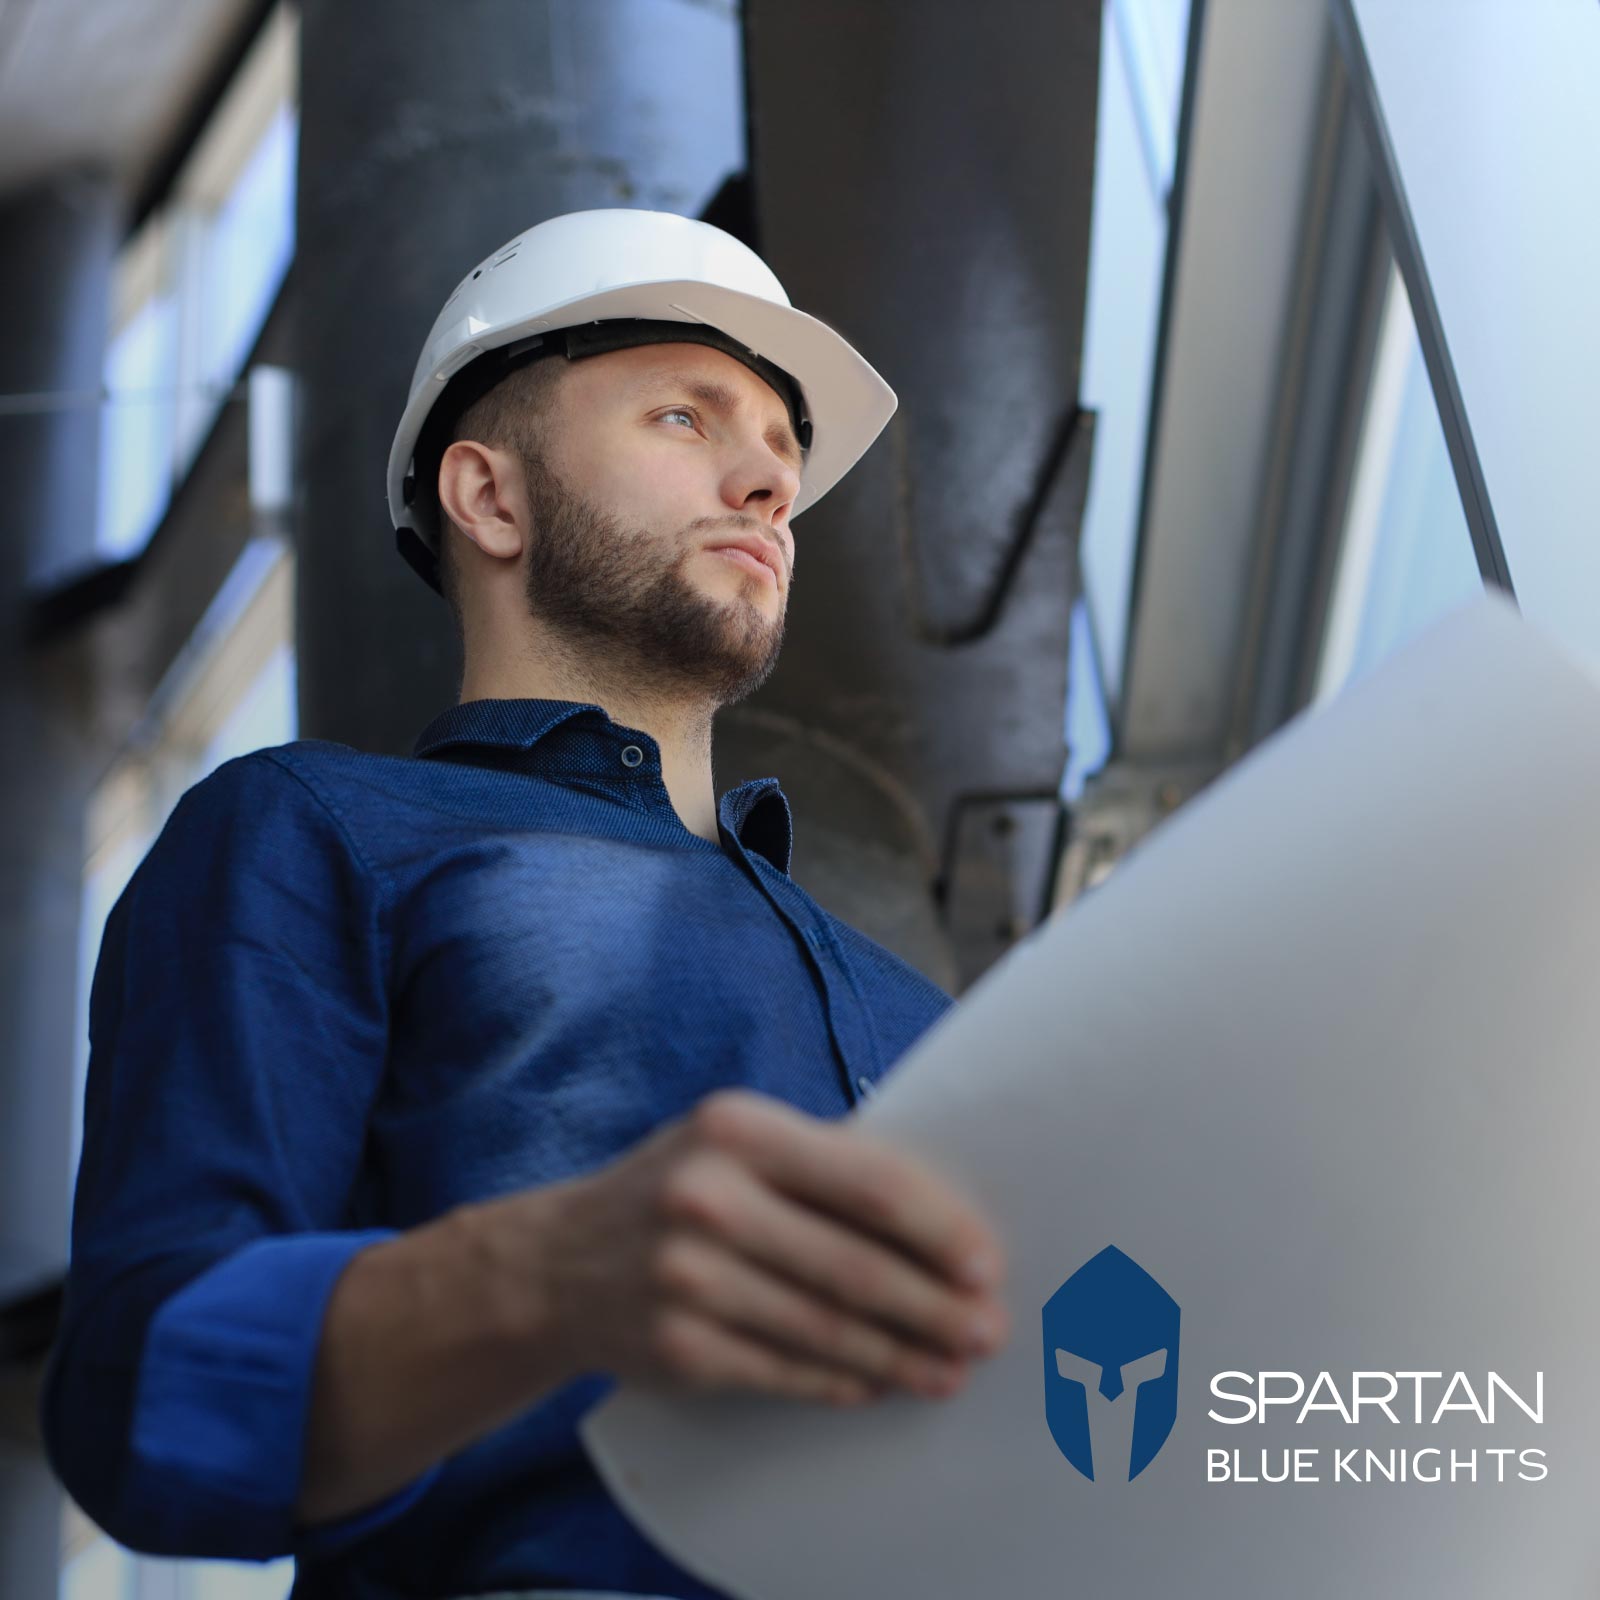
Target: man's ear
pixel 481 491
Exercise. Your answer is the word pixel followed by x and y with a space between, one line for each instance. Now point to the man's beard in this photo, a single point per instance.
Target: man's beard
pixel 594 583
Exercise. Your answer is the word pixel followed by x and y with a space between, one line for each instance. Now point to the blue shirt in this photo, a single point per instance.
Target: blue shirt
pixel 344 993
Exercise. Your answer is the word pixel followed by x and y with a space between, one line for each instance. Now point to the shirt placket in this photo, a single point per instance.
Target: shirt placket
pixel 849 1020
pixel 857 1054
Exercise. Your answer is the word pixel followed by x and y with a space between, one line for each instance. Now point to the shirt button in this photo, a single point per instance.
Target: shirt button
pixel 632 755
pixel 866 1087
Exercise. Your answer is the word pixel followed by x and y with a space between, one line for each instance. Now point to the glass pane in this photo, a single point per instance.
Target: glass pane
pixel 1127 251
pixel 136 430
pixel 1406 556
pixel 1088 730
pixel 265 715
pixel 1155 36
pixel 252 240
pixel 175 363
pixel 1491 114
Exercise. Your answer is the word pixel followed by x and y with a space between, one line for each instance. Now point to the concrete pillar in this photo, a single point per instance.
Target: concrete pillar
pixel 424 143
pixel 57 247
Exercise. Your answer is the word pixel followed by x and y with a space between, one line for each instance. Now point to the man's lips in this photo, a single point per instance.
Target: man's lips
pixel 754 554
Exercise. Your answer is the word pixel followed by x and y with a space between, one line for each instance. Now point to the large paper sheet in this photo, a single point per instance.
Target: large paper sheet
pixel 1317 1067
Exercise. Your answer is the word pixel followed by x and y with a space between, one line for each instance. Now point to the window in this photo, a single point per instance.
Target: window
pixel 1405 554
pixel 192 290
pixel 1142 45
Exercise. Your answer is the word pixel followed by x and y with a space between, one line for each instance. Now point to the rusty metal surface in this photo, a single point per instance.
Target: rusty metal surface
pixel 921 177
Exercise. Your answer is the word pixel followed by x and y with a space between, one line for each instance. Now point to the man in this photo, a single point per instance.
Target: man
pixel 428 1097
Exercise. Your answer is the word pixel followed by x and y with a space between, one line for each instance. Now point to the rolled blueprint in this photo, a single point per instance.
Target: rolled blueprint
pixel 1290 1131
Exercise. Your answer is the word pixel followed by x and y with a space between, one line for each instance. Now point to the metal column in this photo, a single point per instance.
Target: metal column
pixel 429 135
pixel 922 178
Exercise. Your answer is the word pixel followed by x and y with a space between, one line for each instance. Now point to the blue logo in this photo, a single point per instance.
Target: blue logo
pixel 1110 1367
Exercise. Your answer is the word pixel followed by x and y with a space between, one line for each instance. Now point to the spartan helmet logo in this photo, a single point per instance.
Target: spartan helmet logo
pixel 1110 1367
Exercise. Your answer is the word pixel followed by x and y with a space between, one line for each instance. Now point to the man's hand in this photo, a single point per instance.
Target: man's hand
pixel 750 1246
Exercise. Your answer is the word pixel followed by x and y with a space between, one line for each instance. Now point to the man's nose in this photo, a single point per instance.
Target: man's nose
pixel 762 482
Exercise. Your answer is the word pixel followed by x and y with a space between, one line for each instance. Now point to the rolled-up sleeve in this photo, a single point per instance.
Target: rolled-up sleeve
pixel 238 1033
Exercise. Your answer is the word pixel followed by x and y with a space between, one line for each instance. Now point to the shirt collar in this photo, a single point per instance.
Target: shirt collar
pixel 512 724
pixel 756 812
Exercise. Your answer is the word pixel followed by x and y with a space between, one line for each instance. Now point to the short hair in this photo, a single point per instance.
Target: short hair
pixel 506 417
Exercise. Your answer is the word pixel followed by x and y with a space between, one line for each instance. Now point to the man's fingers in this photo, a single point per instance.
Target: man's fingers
pixel 709 1279
pixel 721 1197
pixel 861 1179
pixel 693 1349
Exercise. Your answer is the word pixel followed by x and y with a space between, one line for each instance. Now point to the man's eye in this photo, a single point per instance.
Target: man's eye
pixel 680 411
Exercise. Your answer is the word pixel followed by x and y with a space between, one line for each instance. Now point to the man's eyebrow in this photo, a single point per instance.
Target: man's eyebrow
pixel 721 398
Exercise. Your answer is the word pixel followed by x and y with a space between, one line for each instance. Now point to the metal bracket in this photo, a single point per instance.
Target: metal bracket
pixel 1120 804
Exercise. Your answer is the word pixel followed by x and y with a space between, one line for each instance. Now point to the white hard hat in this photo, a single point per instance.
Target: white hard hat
pixel 635 271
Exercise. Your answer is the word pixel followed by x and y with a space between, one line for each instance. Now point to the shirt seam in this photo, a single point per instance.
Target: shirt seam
pixel 380 879
pixel 381 884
